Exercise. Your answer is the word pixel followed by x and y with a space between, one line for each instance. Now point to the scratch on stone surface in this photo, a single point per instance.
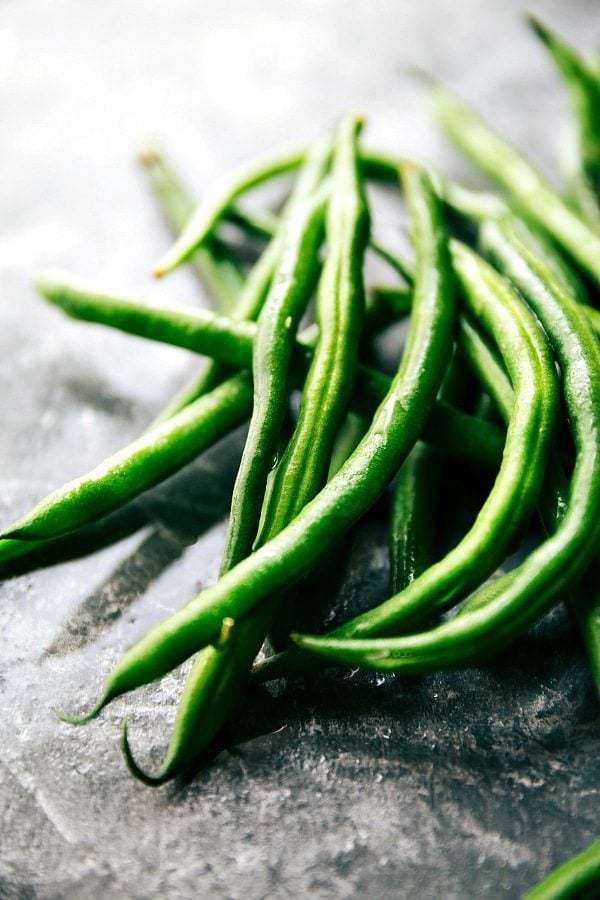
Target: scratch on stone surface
pixel 51 816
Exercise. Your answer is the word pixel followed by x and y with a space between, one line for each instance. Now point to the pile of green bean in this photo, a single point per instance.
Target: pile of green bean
pixel 500 369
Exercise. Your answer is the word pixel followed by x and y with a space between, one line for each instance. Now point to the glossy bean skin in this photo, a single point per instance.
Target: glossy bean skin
pixel 214 264
pixel 577 879
pixel 583 86
pixel 397 422
pixel 271 361
pixel 222 671
pixel 503 163
pixel 524 594
pixel 222 196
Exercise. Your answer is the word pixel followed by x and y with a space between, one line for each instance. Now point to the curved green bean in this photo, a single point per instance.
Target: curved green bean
pixel 216 267
pixel 583 86
pixel 272 356
pixel 502 162
pixel 577 879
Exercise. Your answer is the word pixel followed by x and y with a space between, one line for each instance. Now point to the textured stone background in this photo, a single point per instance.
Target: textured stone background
pixel 468 785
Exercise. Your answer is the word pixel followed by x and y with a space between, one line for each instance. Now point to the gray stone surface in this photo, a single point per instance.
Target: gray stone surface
pixel 464 785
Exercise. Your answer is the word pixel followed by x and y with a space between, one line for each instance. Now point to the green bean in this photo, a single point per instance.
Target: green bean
pixel 577 879
pixel 292 283
pixel 553 501
pixel 397 422
pixel 412 536
pixel 583 85
pixel 218 201
pixel 412 517
pixel 340 311
pixel 302 470
pixel 535 196
pixel 143 463
pixel 199 330
pixel 214 263
pixel 527 592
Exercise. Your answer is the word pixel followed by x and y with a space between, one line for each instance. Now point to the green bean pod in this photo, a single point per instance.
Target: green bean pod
pixel 503 163
pixel 272 357
pixel 583 86
pixel 412 516
pixel 396 424
pixel 145 462
pixel 218 201
pixel 214 264
pixel 525 593
pixel 577 879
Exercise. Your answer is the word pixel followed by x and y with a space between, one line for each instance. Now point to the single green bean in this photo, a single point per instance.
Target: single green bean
pixel 502 162
pixel 218 201
pixel 215 265
pixel 583 86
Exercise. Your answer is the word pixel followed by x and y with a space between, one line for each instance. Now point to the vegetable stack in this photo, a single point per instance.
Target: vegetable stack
pixel 500 368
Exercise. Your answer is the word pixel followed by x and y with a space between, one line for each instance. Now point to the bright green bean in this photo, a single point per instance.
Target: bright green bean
pixel 583 86
pixel 577 879
pixel 285 304
pixel 535 196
